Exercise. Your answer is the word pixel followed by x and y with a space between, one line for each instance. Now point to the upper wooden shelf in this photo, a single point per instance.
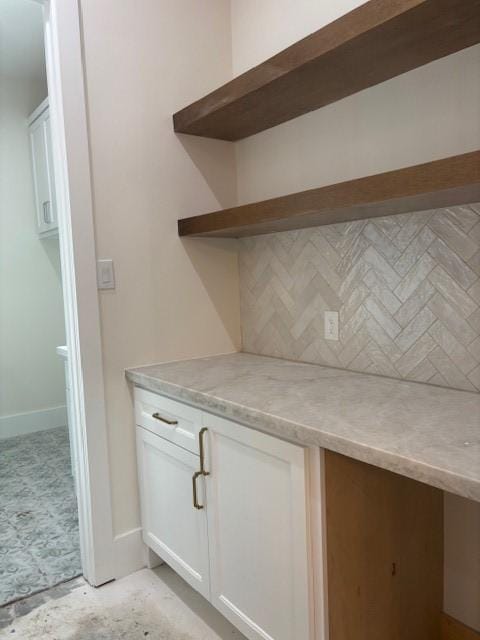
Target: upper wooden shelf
pixel 379 40
pixel 441 183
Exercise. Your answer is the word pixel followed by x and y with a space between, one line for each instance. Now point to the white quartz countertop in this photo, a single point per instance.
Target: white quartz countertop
pixel 427 433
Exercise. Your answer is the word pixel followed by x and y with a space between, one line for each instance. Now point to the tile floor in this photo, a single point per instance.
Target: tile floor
pixel 147 605
pixel 39 545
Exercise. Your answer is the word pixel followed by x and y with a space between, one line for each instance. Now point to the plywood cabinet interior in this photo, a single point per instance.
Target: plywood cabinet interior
pixel 384 553
pixel 454 630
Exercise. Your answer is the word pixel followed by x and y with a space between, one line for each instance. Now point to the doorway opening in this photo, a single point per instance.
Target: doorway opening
pixel 52 416
pixel 39 529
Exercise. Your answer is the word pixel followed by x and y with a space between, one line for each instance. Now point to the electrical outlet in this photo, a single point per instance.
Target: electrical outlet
pixel 331 325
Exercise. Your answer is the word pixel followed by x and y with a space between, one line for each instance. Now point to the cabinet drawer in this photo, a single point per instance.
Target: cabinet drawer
pixel 174 421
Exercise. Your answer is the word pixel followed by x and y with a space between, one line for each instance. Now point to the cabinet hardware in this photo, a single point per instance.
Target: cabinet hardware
pixel 202 451
pixel 196 475
pixel 157 416
pixel 46 212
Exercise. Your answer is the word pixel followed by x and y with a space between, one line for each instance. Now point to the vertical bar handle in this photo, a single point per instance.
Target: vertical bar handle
pixel 201 446
pixel 196 475
pixel 46 212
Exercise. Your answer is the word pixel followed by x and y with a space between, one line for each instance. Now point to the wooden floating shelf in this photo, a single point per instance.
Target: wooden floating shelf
pixel 377 41
pixel 441 183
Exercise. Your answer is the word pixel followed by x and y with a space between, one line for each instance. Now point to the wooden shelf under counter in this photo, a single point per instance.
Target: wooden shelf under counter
pixel 385 556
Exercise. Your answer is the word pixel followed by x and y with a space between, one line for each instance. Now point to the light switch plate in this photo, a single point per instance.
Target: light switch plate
pixel 331 325
pixel 105 274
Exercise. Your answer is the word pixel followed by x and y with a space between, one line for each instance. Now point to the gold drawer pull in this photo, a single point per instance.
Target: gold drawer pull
pixel 157 416
pixel 202 451
pixel 196 475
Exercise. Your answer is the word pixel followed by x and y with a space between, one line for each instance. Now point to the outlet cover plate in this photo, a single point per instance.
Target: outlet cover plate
pixel 331 325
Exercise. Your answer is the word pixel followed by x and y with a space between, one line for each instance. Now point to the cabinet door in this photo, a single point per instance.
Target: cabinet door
pixel 42 164
pixel 257 527
pixel 172 526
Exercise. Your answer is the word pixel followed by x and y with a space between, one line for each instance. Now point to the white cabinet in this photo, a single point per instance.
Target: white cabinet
pixel 246 540
pixel 257 528
pixel 172 526
pixel 174 421
pixel 42 167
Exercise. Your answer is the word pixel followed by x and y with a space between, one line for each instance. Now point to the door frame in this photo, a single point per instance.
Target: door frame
pixel 71 159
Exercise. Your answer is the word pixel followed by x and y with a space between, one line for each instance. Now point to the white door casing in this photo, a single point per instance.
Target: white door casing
pixel 71 161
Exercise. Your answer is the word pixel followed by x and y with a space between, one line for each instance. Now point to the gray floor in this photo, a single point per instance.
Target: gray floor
pixel 39 545
pixel 148 605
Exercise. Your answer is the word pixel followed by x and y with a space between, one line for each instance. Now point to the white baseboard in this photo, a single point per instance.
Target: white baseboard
pixel 128 553
pixel 22 423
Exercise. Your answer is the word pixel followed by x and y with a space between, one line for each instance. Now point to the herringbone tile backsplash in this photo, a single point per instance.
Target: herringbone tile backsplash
pixel 406 287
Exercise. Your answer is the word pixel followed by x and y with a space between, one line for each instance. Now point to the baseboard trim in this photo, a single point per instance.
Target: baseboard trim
pixel 21 424
pixel 128 553
pixel 454 630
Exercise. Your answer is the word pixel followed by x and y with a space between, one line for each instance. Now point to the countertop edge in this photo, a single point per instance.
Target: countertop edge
pixel 298 433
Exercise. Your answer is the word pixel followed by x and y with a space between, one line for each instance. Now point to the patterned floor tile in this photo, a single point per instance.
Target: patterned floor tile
pixel 39 543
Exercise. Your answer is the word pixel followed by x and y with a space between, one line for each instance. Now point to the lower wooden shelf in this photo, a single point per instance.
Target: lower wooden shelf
pixel 440 183
pixel 454 630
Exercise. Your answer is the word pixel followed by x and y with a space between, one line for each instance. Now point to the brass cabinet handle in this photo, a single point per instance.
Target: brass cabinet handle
pixel 196 475
pixel 46 212
pixel 157 416
pixel 202 471
pixel 202 451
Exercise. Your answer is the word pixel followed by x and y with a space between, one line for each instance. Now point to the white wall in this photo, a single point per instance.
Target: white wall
pixel 31 306
pixel 174 299
pixel 429 113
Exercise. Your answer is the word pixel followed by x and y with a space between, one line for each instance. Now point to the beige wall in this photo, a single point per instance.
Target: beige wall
pixel 177 299
pixel 425 114
pixel 174 299
pixel 31 305
pixel 429 113
pixel 261 29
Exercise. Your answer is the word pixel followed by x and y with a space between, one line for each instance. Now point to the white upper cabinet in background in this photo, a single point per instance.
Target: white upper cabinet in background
pixel 42 166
